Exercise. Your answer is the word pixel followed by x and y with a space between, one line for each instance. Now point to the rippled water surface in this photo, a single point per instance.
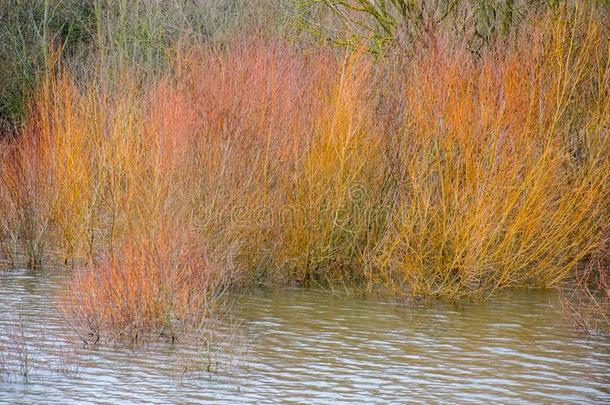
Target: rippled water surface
pixel 308 347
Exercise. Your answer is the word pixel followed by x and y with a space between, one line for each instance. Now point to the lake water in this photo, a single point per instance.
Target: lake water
pixel 302 346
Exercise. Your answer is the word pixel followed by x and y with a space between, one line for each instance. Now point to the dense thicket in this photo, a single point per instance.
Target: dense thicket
pixel 169 151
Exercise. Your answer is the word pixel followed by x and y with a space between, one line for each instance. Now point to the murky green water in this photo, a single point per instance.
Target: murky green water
pixel 307 347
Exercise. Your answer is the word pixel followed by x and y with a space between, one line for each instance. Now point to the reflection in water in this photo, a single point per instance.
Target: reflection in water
pixel 311 347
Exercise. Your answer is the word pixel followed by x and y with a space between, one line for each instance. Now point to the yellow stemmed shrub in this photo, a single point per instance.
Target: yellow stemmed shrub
pixel 505 166
pixel 336 204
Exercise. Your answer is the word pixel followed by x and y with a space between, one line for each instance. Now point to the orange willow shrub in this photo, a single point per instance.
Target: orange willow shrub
pixel 255 119
pixel 337 205
pixel 156 284
pixel 505 171
pixel 67 160
pixel 204 150
pixel 26 202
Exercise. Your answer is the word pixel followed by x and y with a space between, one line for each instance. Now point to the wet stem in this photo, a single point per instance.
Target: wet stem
pixel 25 356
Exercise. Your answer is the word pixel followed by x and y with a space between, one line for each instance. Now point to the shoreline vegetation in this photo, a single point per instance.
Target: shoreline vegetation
pixel 169 152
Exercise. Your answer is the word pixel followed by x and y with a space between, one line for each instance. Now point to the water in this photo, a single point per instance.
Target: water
pixel 308 347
